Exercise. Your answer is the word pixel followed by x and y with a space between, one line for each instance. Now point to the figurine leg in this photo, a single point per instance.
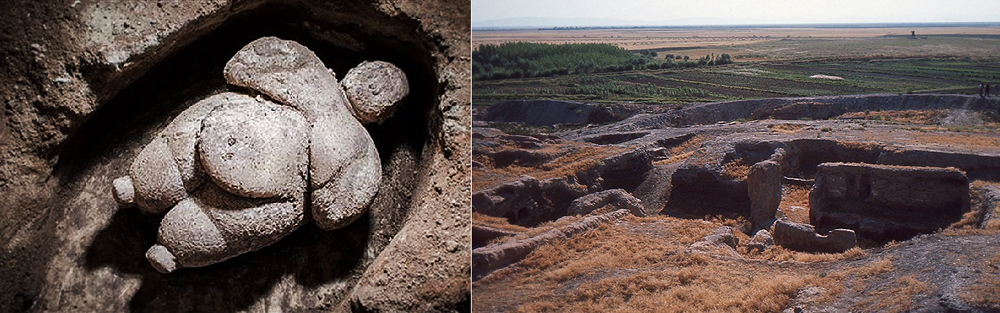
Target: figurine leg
pixel 214 226
pixel 187 238
pixel 161 259
pixel 154 182
pixel 346 197
pixel 124 192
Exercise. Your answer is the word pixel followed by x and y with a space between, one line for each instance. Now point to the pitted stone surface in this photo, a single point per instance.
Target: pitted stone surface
pixel 336 143
pixel 214 226
pixel 762 240
pixel 262 158
pixel 764 188
pixel 291 74
pixel 181 136
pixel 803 237
pixel 617 198
pixel 373 89
pixel 340 147
pixel 157 181
pixel 255 149
pixel 189 234
pixel 342 201
pixel 123 191
pixel 161 259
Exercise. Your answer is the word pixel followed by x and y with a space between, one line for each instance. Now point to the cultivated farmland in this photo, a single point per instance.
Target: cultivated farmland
pixel 769 62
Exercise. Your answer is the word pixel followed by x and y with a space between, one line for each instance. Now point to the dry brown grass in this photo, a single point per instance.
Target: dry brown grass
pixel 607 208
pixel 952 139
pixel 609 247
pixel 640 265
pixel 969 224
pixel 735 221
pixel 835 283
pixel 781 254
pixel 694 284
pixel 986 291
pixel 571 158
pixel 896 299
pixel 920 117
pixel 700 287
pixel 683 151
pixel 967 231
pixel 524 232
pixel 984 183
pixel 674 159
pixel 544 227
pixel 872 269
pixel 993 225
pixel 736 169
pixel 971 219
pixel 859 145
pixel 486 179
pixel 689 145
pixel 792 195
pixel 495 222
pixel 787 128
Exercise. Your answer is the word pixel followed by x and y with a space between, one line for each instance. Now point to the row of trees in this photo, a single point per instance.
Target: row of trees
pixel 713 59
pixel 522 59
pixel 611 89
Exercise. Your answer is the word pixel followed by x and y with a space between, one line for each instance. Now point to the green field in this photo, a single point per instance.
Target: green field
pixel 524 60
pixel 750 80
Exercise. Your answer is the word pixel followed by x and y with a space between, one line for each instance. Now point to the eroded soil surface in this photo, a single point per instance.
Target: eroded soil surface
pixel 689 168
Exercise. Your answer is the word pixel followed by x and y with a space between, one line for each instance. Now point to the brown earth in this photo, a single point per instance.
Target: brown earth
pixel 87 83
pixel 701 156
pixel 647 38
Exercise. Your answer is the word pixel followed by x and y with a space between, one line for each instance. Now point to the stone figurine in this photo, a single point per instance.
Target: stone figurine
pixel 236 172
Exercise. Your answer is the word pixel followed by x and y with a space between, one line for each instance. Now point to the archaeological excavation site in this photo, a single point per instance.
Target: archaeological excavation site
pixel 865 203
pixel 235 155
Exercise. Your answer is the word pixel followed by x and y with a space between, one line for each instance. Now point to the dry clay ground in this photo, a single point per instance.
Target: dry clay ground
pixel 643 264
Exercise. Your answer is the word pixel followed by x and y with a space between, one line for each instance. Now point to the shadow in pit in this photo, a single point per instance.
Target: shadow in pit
pixel 232 285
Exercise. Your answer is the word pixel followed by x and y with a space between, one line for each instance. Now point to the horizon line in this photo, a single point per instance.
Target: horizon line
pixel 766 25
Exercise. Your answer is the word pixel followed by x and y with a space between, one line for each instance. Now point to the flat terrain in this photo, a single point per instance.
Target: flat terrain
pixel 749 80
pixel 770 62
pixel 767 43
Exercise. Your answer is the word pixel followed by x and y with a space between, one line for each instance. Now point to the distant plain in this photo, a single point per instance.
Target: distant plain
pixel 769 62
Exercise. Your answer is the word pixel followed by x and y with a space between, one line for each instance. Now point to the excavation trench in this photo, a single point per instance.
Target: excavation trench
pixel 707 188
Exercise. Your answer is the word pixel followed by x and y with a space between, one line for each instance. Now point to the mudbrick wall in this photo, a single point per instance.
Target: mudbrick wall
pixel 85 84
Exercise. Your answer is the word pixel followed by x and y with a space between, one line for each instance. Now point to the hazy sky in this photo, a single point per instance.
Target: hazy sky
pixel 744 11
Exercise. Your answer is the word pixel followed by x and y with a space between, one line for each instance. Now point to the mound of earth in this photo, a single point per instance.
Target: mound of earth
pixel 554 112
pixel 830 77
pixel 690 169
